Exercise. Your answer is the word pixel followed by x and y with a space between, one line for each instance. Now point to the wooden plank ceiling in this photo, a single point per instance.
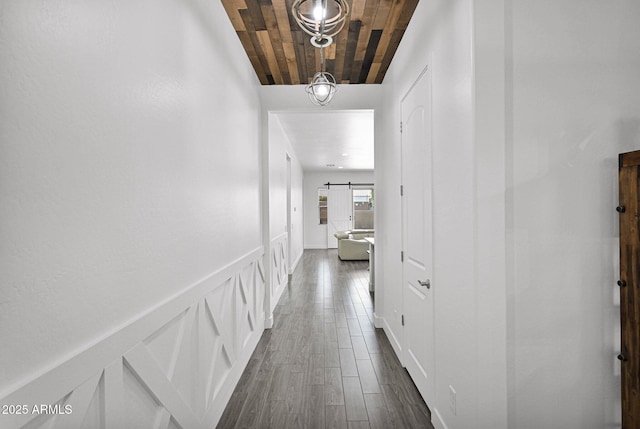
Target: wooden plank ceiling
pixel 282 54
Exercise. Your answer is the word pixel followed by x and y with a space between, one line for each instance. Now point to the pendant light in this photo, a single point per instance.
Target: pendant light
pixel 321 19
pixel 323 85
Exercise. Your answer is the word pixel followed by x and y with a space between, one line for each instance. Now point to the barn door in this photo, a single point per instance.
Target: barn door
pixel 339 213
pixel 629 282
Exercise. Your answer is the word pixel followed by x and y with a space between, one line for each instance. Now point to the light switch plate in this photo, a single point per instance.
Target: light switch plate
pixel 452 400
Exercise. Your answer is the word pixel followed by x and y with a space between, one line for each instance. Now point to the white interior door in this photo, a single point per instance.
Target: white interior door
pixel 418 288
pixel 339 213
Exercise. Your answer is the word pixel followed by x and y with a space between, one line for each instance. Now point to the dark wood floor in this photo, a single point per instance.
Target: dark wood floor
pixel 324 365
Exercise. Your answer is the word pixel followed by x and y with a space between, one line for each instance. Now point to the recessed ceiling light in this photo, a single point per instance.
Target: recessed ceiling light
pixel 341 167
pixel 345 154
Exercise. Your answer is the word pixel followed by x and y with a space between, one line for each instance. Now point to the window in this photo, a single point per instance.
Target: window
pixel 363 208
pixel 322 206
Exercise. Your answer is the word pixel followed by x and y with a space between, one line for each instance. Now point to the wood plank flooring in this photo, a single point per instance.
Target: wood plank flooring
pixel 323 364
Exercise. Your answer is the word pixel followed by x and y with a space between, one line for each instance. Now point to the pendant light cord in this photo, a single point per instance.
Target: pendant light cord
pixel 323 19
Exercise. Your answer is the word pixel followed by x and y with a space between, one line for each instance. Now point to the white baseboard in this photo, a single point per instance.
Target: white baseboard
pixel 378 322
pixel 395 343
pixel 295 263
pixel 268 322
pixel 182 359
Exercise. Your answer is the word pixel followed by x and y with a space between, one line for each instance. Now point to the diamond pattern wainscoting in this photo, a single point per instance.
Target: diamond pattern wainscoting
pixel 159 373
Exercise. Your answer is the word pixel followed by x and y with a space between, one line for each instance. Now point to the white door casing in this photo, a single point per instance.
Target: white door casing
pixel 289 216
pixel 418 288
pixel 339 213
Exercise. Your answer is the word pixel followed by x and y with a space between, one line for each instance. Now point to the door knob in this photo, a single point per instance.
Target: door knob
pixel 621 209
pixel 426 284
pixel 622 283
pixel 622 358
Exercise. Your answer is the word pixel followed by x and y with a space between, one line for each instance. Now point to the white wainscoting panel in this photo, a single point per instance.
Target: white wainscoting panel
pixel 174 367
pixel 279 267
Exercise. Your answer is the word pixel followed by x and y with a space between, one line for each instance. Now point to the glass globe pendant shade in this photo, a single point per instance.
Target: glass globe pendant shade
pixel 322 88
pixel 321 19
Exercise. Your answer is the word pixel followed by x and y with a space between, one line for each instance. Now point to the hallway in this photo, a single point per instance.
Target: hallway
pixel 323 364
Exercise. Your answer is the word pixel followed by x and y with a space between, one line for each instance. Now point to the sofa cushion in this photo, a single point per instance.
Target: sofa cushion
pixel 341 234
pixel 353 250
pixel 362 231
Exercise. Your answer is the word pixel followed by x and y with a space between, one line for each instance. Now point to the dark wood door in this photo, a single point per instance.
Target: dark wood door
pixel 629 283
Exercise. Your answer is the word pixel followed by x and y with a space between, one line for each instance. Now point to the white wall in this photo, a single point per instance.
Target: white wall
pixel 130 164
pixel 279 148
pixel 490 211
pixel 315 235
pixel 532 104
pixel 284 254
pixel 293 97
pixel 575 101
pixel 439 35
pixel 297 215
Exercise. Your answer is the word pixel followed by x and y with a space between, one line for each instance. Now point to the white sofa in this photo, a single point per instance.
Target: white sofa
pixel 352 245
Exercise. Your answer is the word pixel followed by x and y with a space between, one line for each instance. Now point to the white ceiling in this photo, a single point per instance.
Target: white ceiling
pixel 321 138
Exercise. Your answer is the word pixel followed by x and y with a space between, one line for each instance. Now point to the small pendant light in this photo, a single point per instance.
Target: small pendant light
pixel 323 85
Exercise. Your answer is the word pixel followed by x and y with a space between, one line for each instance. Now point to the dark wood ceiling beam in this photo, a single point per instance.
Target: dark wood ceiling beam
pixel 407 13
pixel 368 14
pixel 253 56
pixel 349 56
pixel 382 13
pixel 331 67
pixel 253 6
pixel 275 38
pixel 357 9
pixel 310 58
pixel 386 61
pixel 234 15
pixel 245 14
pixel 301 59
pixel 374 39
pixel 385 39
pixel 341 46
pixel 267 48
pixel 292 22
pixel 290 54
pixel 370 10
